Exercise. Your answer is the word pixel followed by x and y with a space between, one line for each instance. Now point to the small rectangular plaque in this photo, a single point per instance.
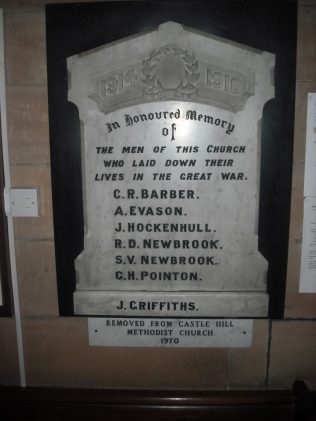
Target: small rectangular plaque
pixel 308 260
pixel 181 333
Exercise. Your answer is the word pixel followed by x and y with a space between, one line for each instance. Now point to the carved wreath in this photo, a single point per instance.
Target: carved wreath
pixel 191 75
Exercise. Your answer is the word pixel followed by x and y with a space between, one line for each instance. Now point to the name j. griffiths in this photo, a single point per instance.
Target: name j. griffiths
pixel 156 305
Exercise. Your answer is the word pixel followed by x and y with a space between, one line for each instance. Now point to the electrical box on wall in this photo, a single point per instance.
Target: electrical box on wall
pixel 22 202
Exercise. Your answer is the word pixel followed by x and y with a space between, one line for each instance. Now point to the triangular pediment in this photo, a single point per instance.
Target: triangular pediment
pixel 169 63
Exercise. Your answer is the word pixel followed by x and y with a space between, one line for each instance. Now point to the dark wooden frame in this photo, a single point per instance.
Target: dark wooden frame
pixel 5 309
pixel 74 28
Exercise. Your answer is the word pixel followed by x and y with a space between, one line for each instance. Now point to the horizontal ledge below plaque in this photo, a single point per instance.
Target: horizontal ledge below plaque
pixel 185 304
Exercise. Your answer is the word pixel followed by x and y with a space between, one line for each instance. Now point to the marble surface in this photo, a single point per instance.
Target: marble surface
pixel 170 333
pixel 180 304
pixel 171 163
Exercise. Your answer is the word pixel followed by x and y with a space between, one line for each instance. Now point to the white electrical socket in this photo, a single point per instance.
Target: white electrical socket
pixel 22 202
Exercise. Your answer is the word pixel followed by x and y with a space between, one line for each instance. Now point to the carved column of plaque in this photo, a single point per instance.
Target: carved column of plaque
pixel 170 157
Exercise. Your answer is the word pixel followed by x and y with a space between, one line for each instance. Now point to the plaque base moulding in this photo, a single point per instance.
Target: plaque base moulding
pixel 184 304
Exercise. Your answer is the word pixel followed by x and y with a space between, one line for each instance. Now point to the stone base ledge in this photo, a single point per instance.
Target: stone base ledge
pixel 163 304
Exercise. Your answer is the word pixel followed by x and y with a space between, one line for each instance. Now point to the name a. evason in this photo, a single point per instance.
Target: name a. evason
pixel 148 210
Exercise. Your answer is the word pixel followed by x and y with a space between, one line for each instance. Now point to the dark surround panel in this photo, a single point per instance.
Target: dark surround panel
pixel 74 28
pixel 6 309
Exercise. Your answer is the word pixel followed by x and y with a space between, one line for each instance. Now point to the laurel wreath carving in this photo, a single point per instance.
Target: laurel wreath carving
pixel 191 75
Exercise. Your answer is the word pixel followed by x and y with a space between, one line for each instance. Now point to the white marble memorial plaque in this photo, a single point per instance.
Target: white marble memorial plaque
pixel 188 333
pixel 171 161
pixel 308 259
pixel 310 147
